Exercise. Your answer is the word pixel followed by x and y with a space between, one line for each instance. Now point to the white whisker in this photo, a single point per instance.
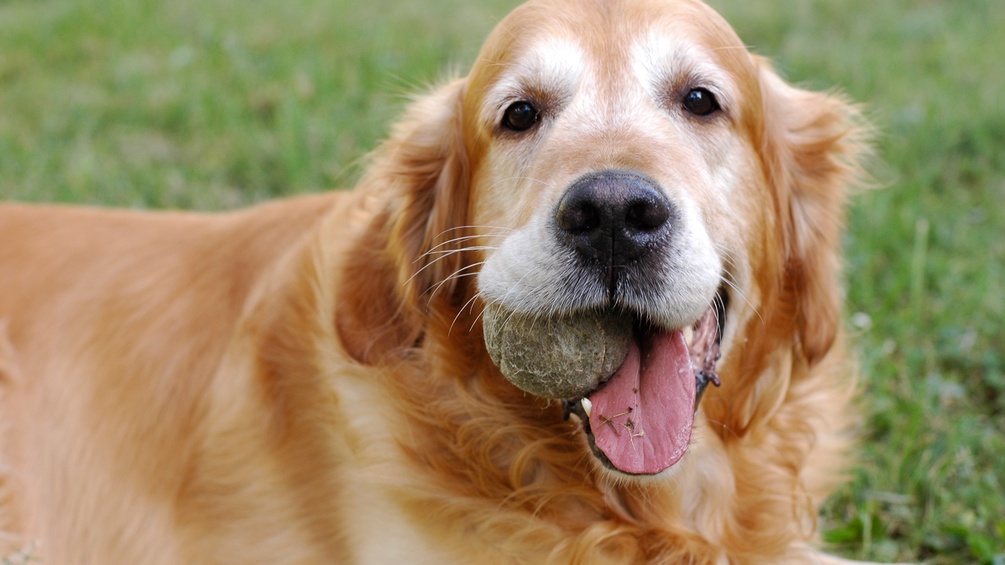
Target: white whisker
pixel 738 292
pixel 468 248
pixel 444 255
pixel 469 304
pixel 531 179
pixel 459 273
pixel 436 248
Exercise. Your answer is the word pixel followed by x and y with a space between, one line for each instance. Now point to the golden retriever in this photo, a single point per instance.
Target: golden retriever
pixel 307 381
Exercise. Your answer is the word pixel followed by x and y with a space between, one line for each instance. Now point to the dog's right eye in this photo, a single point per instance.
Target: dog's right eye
pixel 520 116
pixel 700 102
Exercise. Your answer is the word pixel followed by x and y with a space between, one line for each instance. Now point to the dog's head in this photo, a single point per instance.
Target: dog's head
pixel 630 157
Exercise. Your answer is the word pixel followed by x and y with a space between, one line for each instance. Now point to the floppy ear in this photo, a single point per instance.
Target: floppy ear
pixel 813 143
pixel 400 271
pixel 428 167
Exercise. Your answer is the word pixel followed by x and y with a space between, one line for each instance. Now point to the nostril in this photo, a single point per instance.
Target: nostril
pixel 647 215
pixel 578 216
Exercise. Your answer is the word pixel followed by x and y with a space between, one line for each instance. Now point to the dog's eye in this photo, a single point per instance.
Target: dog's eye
pixel 700 102
pixel 520 116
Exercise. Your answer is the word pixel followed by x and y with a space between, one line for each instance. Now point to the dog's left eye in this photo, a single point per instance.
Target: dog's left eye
pixel 520 116
pixel 700 102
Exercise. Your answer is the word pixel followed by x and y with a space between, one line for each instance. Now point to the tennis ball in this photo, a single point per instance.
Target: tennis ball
pixel 558 356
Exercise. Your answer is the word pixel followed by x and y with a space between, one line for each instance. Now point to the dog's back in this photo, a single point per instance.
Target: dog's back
pixel 112 325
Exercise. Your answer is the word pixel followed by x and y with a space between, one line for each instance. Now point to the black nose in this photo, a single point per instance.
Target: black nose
pixel 614 217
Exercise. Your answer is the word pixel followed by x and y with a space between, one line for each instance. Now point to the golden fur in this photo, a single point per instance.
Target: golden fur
pixel 306 381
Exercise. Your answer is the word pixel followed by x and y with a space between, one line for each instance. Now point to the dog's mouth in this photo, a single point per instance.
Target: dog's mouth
pixel 639 420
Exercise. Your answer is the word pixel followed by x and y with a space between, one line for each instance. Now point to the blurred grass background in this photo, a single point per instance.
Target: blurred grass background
pixel 212 104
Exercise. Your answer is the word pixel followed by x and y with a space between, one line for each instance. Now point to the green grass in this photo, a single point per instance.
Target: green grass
pixel 217 103
pixel 207 104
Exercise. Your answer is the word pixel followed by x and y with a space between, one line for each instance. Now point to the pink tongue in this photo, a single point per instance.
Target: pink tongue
pixel 641 418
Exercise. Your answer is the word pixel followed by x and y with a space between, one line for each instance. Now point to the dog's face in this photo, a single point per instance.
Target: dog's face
pixel 619 169
pixel 633 157
pixel 617 164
